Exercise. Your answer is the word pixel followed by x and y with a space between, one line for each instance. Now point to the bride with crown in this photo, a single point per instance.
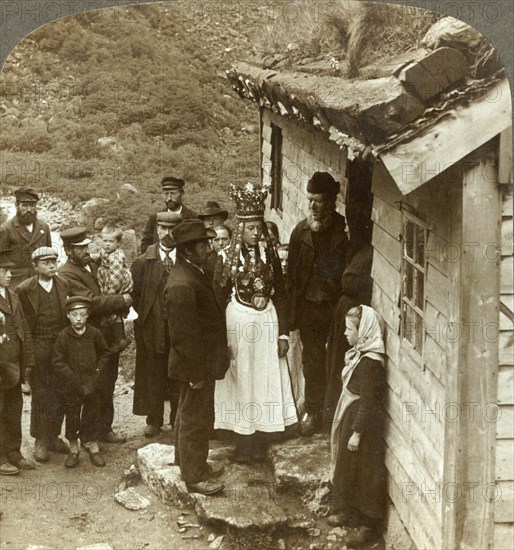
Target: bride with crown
pixel 255 398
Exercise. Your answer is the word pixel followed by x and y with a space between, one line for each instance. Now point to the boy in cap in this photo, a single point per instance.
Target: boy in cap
pixel 24 233
pixel 80 355
pixel 172 191
pixel 81 273
pixel 150 272
pixel 16 360
pixel 43 298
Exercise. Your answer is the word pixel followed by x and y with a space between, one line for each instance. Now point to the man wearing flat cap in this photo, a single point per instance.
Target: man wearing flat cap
pixel 172 192
pixel 81 273
pixel 317 251
pixel 43 298
pixel 16 361
pixel 24 233
pixel 150 272
pixel 198 354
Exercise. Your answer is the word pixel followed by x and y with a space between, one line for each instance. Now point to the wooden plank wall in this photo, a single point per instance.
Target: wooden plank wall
pixel 416 402
pixel 305 150
pixel 504 506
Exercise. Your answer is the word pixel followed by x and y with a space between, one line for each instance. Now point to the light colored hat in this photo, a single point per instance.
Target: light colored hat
pixel 45 253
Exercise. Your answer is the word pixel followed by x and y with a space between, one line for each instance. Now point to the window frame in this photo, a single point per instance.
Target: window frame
pixel 276 167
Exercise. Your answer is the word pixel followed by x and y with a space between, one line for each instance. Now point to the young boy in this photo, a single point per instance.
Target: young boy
pixel 80 354
pixel 114 277
pixel 43 299
pixel 16 361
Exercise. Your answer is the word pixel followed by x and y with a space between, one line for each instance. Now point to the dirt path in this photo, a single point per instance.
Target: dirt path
pixel 60 508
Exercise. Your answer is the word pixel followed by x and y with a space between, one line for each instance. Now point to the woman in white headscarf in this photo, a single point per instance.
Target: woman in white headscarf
pixel 357 452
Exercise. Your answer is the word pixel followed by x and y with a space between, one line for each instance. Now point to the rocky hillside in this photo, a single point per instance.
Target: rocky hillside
pixel 121 96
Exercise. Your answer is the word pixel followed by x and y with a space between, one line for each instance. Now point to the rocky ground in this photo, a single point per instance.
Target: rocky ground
pixel 277 505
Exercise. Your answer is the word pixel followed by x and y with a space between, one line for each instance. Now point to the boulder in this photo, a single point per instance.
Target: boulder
pixel 128 188
pixel 301 464
pixel 453 33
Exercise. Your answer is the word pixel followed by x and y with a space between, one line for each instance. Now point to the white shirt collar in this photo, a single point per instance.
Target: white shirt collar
pixel 46 285
pixel 179 211
pixel 30 227
pixel 2 292
pixel 172 255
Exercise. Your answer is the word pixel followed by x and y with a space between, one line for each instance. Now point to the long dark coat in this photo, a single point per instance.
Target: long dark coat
pixel 301 260
pixel 197 326
pixel 17 355
pixel 84 283
pixel 149 276
pixel 360 477
pixel 356 286
pixel 14 235
pixel 150 233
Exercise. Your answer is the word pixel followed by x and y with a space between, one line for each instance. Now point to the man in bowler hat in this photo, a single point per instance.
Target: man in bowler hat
pixel 172 192
pixel 81 273
pixel 316 261
pixel 198 354
pixel 150 272
pixel 23 234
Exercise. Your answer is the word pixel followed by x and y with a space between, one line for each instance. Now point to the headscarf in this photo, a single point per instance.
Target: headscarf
pixel 369 340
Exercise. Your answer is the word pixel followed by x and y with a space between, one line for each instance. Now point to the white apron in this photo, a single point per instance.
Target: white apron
pixel 255 394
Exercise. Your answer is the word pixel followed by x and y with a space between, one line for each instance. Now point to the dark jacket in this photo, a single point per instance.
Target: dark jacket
pixel 14 235
pixel 150 233
pixel 149 276
pixel 78 359
pixel 83 282
pixel 197 326
pixel 16 355
pixel 28 293
pixel 301 259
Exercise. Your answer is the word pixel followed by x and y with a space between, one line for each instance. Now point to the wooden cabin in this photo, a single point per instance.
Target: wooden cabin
pixel 438 169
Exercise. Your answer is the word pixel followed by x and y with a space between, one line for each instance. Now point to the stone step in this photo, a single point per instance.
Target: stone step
pixel 246 503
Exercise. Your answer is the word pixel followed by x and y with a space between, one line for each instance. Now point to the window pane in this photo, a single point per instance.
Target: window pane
pixel 409 239
pixel 420 245
pixel 419 334
pixel 419 289
pixel 408 323
pixel 408 288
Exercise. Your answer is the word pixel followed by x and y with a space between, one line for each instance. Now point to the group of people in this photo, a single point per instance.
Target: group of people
pixel 215 308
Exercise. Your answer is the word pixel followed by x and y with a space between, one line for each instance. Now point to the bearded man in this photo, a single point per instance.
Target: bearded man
pixel 317 252
pixel 23 234
pixel 172 192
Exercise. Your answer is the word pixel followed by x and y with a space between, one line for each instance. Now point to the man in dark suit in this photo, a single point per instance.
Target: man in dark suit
pixel 150 272
pixel 173 192
pixel 316 261
pixel 198 354
pixel 16 361
pixel 43 298
pixel 80 272
pixel 23 234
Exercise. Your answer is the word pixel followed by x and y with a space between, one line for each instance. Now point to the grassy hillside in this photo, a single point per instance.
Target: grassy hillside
pixel 127 95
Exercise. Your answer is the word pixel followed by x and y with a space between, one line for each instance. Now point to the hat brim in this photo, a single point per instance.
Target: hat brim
pixel 210 235
pixel 223 213
pixel 83 242
pixel 7 264
pixel 47 257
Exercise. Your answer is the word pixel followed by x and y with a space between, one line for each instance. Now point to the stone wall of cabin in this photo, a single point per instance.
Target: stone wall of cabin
pixel 305 150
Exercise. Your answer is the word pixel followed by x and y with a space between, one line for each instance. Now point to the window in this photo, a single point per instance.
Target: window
pixel 413 276
pixel 276 167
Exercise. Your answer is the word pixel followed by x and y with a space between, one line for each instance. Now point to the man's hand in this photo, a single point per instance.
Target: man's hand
pixel 283 347
pixel 353 442
pixel 197 385
pixel 128 299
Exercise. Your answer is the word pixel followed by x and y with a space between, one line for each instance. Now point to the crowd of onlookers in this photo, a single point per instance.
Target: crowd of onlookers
pixel 217 305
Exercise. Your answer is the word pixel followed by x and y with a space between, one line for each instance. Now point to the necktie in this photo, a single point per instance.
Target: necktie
pixel 168 262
